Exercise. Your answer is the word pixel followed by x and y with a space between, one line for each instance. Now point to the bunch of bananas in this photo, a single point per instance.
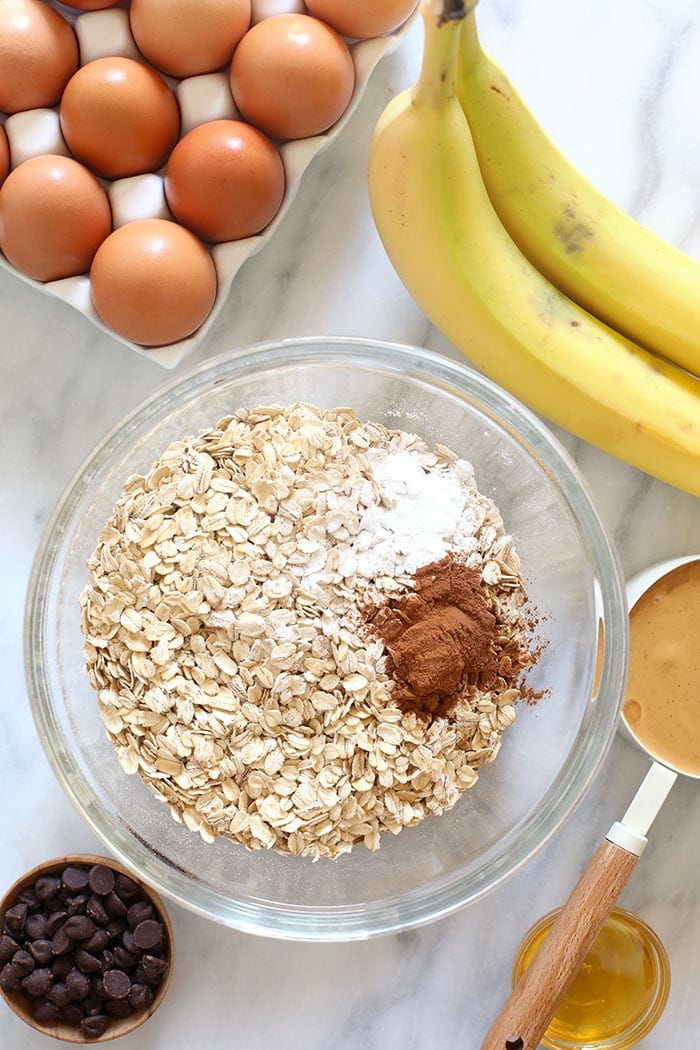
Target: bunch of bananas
pixel 543 284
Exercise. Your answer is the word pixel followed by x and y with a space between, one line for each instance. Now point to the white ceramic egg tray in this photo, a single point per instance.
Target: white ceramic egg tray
pixel 106 33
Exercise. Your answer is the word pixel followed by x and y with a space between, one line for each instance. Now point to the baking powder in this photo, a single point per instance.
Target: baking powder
pixel 426 507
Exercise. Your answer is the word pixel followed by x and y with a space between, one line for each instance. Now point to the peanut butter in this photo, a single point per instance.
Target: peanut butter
pixel 662 702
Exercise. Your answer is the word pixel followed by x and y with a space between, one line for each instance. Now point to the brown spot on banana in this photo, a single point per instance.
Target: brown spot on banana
pixel 571 231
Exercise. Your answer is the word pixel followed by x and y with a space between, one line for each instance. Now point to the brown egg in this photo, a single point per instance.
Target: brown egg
pixel 53 217
pixel 292 76
pixel 90 5
pixel 119 117
pixel 362 18
pixel 4 155
pixel 225 180
pixel 38 55
pixel 153 282
pixel 187 37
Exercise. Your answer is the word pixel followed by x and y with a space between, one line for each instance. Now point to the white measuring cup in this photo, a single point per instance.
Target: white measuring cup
pixel 535 998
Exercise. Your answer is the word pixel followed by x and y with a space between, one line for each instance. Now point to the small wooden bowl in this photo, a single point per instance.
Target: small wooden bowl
pixel 20 1004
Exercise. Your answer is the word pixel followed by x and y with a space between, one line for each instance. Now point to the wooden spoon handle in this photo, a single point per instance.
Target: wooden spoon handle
pixel 534 1001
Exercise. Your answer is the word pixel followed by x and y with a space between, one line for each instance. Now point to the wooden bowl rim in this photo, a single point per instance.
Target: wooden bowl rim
pixel 19 1003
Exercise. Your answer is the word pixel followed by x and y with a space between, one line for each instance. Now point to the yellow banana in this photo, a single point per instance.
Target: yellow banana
pixel 450 249
pixel 593 251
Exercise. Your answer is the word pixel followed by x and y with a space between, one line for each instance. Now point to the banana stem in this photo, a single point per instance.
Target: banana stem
pixel 470 47
pixel 449 10
pixel 442 20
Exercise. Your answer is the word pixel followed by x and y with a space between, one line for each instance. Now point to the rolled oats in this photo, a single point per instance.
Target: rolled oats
pixel 222 635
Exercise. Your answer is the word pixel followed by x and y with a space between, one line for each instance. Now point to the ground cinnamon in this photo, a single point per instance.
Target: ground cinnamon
pixel 441 636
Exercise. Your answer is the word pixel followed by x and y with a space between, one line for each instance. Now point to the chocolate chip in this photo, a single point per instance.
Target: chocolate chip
pixel 56 919
pixel 125 960
pixel 46 887
pixel 115 928
pixel 86 962
pixel 116 984
pixel 71 1015
pixel 101 880
pixel 28 896
pixel 58 995
pixel 79 927
pixel 118 1008
pixel 96 911
pixel 10 978
pixel 126 887
pixel 98 942
pixel 152 982
pixel 92 1005
pixel 74 879
pixel 141 996
pixel 62 896
pixel 8 947
pixel 94 1026
pixel 23 961
pixel 42 951
pixel 106 960
pixel 15 918
pixel 76 905
pixel 45 1012
pixel 78 984
pixel 35 927
pixel 38 982
pixel 61 942
pixel 62 967
pixel 137 913
pixel 148 935
pixel 128 941
pixel 115 905
pixel 153 967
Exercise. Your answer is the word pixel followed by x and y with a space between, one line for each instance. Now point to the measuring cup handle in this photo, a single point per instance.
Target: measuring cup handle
pixel 535 998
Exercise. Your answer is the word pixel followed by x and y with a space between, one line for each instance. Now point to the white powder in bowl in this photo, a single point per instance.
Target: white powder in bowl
pixel 426 508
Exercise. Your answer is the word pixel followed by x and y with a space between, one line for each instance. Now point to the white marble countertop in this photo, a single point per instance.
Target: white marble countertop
pixel 617 87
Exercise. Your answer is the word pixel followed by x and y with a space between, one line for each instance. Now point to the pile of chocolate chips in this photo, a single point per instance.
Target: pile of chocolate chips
pixel 85 946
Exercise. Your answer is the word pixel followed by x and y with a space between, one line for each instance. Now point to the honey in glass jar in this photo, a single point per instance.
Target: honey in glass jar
pixel 618 994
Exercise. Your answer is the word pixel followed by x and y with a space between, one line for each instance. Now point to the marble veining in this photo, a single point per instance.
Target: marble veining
pixel 615 85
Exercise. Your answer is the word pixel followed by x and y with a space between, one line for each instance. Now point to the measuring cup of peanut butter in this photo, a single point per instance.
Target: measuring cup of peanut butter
pixel 661 709
pixel 661 715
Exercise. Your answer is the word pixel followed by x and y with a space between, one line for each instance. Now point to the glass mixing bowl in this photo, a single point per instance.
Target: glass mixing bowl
pixel 549 756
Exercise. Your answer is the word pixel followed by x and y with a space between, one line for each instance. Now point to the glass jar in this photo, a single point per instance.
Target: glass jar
pixel 618 994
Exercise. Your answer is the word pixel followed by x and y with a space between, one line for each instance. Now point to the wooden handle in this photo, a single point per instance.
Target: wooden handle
pixel 534 1001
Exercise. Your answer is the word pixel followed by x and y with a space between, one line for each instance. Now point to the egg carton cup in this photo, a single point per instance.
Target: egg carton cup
pixel 105 33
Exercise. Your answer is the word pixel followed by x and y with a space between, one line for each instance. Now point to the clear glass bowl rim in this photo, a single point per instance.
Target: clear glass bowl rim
pixel 419 907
